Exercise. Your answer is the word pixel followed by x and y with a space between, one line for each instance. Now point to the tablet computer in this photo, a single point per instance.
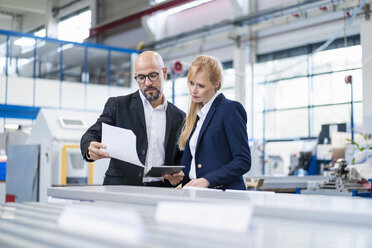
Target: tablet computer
pixel 158 171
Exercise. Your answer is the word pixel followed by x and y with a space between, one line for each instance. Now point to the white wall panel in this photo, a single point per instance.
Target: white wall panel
pixel 97 96
pixel 73 95
pixel 2 89
pixel 20 91
pixel 120 91
pixel 47 93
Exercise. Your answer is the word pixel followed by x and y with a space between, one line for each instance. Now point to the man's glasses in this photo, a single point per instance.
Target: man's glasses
pixel 152 76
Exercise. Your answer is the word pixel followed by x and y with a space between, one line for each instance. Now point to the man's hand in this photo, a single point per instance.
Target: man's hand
pixel 200 182
pixel 94 151
pixel 175 178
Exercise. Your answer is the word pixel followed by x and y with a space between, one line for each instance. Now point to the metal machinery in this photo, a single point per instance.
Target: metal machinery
pixel 58 133
pixel 342 180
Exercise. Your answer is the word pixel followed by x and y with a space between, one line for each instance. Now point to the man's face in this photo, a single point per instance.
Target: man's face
pixel 150 77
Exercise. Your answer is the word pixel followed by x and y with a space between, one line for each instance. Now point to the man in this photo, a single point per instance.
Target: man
pixel 155 122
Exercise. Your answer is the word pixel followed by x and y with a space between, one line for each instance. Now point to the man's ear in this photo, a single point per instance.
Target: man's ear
pixel 165 72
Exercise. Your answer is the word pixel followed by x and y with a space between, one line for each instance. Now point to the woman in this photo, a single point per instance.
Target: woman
pixel 214 136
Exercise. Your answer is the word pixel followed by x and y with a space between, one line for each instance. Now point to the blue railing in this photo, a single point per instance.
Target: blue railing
pixel 26 55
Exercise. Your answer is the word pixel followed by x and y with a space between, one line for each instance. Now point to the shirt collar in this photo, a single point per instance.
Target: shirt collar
pixel 204 110
pixel 145 102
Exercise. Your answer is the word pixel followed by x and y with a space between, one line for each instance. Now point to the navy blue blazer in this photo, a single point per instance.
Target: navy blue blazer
pixel 222 152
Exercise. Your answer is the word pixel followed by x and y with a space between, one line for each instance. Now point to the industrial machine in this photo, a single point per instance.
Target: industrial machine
pixel 58 134
pixel 275 166
pixel 342 180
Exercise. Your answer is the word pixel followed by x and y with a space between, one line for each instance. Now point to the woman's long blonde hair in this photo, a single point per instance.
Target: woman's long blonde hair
pixel 212 73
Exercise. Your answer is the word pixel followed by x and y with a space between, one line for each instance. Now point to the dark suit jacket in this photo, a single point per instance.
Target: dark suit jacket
pixel 127 112
pixel 222 153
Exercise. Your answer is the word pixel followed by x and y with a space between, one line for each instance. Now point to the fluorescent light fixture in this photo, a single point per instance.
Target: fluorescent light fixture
pixel 64 47
pixel 186 6
pixel 25 42
pixel 11 126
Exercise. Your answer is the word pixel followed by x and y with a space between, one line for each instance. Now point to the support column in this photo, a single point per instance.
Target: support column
pixel 133 83
pixel 252 54
pixel 16 23
pixel 366 42
pixel 51 24
pixel 240 61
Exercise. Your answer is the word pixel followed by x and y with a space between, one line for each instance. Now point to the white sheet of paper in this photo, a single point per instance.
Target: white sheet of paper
pixel 120 144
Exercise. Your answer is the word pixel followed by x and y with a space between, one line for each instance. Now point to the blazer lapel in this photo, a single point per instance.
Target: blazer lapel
pixel 168 124
pixel 209 117
pixel 139 108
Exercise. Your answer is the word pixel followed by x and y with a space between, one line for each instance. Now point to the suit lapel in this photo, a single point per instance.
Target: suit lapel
pixel 139 108
pixel 209 117
pixel 168 124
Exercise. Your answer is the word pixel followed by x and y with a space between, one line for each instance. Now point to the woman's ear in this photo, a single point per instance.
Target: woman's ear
pixel 217 86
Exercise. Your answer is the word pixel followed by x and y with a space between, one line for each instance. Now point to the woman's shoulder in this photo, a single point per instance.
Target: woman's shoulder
pixel 228 104
pixel 231 109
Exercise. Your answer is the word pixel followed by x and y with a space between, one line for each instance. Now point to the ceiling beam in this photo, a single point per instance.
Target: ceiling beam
pixel 136 16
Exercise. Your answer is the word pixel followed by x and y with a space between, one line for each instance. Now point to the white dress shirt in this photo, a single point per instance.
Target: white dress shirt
pixel 202 113
pixel 155 127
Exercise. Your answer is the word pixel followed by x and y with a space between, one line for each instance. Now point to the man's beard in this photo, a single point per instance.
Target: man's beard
pixel 150 96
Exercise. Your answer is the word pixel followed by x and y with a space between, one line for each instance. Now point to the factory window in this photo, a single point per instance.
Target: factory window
pixel 75 27
pixel 295 92
pixel 294 96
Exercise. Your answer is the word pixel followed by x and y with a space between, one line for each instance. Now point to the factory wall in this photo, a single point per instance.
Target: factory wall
pixel 55 94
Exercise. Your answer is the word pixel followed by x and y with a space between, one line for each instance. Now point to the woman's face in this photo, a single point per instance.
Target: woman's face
pixel 200 91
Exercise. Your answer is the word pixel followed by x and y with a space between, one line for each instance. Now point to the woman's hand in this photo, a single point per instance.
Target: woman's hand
pixel 200 182
pixel 175 178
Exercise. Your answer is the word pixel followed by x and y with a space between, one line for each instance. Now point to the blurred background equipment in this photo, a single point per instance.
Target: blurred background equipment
pixel 23 173
pixel 274 166
pixel 51 156
pixel 342 180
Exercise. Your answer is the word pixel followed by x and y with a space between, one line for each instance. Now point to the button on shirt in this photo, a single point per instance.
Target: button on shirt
pixel 155 127
pixel 202 114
